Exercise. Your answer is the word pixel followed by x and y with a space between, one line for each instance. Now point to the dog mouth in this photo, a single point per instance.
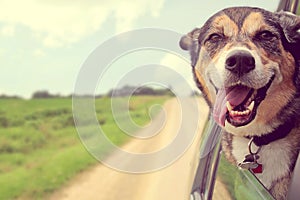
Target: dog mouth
pixel 238 104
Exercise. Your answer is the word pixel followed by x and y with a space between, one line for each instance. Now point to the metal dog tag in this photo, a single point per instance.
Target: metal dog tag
pixel 250 162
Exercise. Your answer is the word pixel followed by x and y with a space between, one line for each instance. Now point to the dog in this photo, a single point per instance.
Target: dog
pixel 245 61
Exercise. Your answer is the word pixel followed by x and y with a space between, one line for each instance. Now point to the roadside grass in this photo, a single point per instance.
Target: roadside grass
pixel 227 173
pixel 39 146
pixel 240 185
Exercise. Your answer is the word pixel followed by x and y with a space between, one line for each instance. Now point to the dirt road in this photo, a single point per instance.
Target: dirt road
pixel 172 182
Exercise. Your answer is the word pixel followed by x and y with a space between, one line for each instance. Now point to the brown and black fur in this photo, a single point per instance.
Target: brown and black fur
pixel 274 41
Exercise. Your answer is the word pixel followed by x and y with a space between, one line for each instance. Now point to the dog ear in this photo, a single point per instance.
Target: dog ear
pixel 290 25
pixel 190 42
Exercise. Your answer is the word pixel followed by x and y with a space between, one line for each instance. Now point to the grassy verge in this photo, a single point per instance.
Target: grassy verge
pixel 240 184
pixel 227 173
pixel 39 146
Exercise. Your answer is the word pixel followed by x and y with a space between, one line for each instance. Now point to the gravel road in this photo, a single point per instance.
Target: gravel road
pixel 172 182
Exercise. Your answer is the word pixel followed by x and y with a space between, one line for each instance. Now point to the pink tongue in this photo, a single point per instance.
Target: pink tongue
pixel 235 96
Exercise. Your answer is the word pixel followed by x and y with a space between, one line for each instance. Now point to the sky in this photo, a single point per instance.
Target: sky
pixel 44 43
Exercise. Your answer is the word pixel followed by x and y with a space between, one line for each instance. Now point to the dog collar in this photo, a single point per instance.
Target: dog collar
pixel 250 161
pixel 279 133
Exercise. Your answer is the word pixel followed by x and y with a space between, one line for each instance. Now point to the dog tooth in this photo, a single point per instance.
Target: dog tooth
pixel 229 106
pixel 251 106
pixel 232 113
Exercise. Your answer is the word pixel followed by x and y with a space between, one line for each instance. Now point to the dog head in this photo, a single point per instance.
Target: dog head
pixel 245 63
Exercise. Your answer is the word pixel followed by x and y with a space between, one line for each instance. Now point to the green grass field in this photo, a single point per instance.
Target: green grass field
pixel 38 142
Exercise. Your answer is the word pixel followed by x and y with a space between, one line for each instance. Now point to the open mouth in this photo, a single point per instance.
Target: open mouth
pixel 242 114
pixel 238 104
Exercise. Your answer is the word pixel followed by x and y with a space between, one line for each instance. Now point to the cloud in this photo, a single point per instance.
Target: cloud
pixel 127 12
pixel 181 67
pixel 39 53
pixel 57 23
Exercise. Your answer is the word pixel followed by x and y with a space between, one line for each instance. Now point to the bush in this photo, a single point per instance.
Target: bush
pixel 4 122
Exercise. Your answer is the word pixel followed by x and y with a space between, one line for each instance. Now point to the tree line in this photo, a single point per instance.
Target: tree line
pixel 139 91
pixel 124 91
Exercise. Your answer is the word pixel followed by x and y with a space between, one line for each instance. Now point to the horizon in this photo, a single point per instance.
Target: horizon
pixel 96 95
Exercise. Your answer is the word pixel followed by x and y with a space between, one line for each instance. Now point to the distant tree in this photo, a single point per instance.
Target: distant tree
pixel 44 94
pixel 166 92
pixel 138 91
pixel 144 91
pixel 109 93
pixel 4 96
pixel 41 95
pixel 98 96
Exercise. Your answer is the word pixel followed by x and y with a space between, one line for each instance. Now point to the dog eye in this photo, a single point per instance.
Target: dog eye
pixel 215 37
pixel 266 35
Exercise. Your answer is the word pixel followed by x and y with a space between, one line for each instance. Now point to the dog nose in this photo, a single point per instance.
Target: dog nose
pixel 240 63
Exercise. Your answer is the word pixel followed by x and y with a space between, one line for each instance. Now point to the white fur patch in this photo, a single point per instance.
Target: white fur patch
pixel 273 157
pixel 275 160
pixel 239 148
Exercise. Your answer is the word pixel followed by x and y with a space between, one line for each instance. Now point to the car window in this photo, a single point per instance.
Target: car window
pixel 218 179
pixel 234 183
